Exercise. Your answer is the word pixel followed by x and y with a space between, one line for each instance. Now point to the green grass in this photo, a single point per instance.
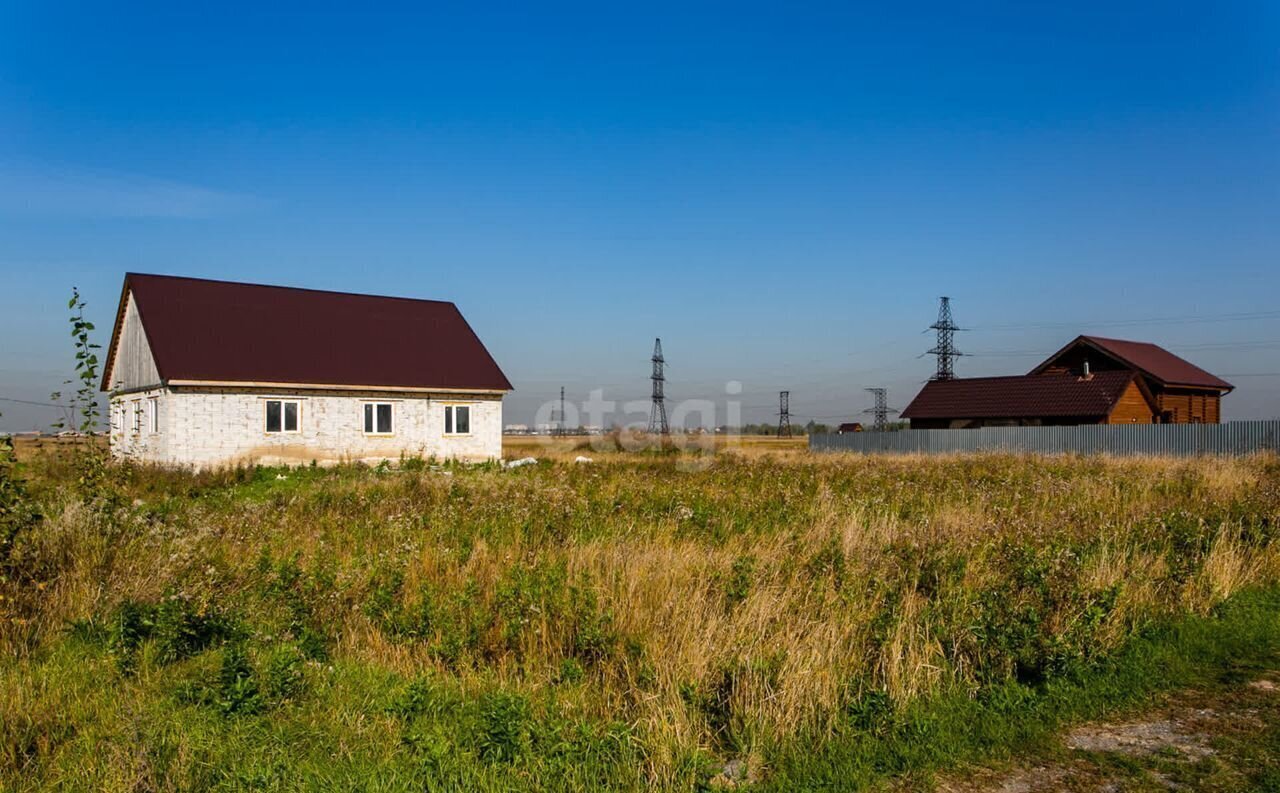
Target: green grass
pixel 1009 719
pixel 355 727
pixel 633 624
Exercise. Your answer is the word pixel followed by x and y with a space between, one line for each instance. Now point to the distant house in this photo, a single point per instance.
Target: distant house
pixel 210 373
pixel 1184 393
pixel 849 426
pixel 1092 380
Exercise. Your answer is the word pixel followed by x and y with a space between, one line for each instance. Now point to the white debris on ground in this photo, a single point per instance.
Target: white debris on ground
pixel 521 462
pixel 581 459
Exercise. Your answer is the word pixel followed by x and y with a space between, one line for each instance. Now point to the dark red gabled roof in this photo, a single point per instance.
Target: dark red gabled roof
pixel 1150 359
pixel 231 332
pixel 1020 396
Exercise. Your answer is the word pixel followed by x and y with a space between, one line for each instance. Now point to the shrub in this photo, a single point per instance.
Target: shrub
pixel 505 727
pixel 179 628
pixel 131 625
pixel 238 692
pixel 871 711
pixel 285 677
pixel 594 637
pixel 570 671
pixel 18 513
pixel 182 628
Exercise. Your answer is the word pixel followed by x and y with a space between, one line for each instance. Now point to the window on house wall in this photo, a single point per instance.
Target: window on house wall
pixel 153 414
pixel 137 416
pixel 377 418
pixel 282 415
pixel 457 420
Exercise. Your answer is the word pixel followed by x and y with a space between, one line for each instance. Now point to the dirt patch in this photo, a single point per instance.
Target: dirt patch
pixel 1222 740
pixel 1141 738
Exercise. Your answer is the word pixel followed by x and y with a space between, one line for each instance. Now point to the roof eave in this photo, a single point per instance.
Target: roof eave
pixel 194 383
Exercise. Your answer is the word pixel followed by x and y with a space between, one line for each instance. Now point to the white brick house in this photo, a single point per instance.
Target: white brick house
pixel 212 373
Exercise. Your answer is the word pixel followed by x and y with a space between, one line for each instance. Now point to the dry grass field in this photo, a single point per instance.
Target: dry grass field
pixel 664 618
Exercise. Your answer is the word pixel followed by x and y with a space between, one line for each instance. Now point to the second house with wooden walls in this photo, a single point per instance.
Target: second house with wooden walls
pixel 1092 380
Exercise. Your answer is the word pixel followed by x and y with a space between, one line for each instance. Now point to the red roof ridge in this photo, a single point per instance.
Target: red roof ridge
pixel 1112 338
pixel 131 275
pixel 1107 373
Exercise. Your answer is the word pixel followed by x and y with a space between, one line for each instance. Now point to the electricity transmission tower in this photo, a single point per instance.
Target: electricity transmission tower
pixel 944 348
pixel 880 413
pixel 658 412
pixel 784 414
pixel 557 416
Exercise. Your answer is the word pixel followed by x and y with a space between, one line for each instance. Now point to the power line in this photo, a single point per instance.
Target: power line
pixel 1217 345
pixel 1169 320
pixel 29 402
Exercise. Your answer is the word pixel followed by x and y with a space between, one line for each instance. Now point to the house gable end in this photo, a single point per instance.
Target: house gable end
pixel 1159 367
pixel 1070 359
pixel 1134 405
pixel 131 365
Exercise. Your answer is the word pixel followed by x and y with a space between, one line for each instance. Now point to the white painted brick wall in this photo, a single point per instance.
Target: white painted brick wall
pixel 216 427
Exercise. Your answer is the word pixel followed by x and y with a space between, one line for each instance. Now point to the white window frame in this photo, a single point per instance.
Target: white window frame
pixel 153 415
pixel 282 431
pixel 451 420
pixel 373 406
pixel 136 417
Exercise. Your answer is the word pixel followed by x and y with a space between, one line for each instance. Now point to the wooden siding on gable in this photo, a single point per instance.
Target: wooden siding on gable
pixel 1190 407
pixel 1131 408
pixel 133 366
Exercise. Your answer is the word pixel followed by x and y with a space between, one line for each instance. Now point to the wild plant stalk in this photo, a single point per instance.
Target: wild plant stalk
pixel 91 459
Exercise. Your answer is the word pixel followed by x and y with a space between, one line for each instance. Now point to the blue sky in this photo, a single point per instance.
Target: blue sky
pixel 780 193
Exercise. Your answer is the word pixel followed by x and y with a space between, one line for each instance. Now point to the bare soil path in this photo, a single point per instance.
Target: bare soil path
pixel 1223 738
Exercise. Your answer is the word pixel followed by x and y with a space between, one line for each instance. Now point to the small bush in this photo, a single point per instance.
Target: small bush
pixel 505 727
pixel 131 625
pixel 18 513
pixel 238 692
pixel 179 628
pixel 594 636
pixel 285 677
pixel 871 711
pixel 571 672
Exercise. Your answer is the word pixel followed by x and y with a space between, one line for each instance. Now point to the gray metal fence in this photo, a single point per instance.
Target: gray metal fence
pixel 1235 437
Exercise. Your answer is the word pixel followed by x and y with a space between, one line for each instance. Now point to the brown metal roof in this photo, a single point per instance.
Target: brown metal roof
pixel 232 332
pixel 1020 396
pixel 1150 359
